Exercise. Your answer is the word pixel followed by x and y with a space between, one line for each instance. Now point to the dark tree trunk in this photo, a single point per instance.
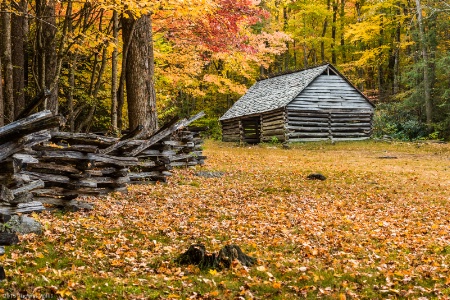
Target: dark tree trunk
pixel 141 96
pixel 114 62
pixel 7 63
pixel 333 33
pixel 342 22
pixel 397 59
pixel 18 37
pixel 46 51
pixel 324 32
pixel 50 30
pixel 2 107
pixel 426 77
pixel 70 94
pixel 121 87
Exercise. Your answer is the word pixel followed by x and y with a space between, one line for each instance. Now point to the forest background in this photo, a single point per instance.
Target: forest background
pixel 110 65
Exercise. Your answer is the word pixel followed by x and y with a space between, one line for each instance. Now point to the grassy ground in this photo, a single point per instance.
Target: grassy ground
pixel 376 228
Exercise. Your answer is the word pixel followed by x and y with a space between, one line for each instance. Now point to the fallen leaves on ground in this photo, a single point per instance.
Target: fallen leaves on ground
pixel 374 229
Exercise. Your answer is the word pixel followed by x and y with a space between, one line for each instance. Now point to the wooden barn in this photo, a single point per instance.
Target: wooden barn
pixel 309 105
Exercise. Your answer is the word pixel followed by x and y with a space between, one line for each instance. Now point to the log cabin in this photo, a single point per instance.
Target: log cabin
pixel 314 104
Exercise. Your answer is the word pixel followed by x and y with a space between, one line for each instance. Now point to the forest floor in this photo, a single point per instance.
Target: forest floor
pixel 377 227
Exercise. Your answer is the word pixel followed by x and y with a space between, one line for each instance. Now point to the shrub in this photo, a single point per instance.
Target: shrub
pixel 214 131
pixel 398 121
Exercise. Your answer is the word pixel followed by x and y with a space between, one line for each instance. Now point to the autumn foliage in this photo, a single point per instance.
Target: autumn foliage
pixel 375 228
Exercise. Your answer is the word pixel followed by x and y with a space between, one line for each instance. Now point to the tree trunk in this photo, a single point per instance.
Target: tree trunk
pixel 73 58
pixel 426 79
pixel 7 63
pixel 50 30
pixel 121 87
pixel 18 36
pixel 141 96
pixel 46 51
pixel 287 54
pixel 71 82
pixel 324 31
pixel 333 33
pixel 397 58
pixel 114 62
pixel 305 50
pixel 360 70
pixel 295 53
pixel 2 107
pixel 85 125
pixel 342 23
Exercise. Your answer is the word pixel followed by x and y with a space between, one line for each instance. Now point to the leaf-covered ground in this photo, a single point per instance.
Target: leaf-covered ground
pixel 376 228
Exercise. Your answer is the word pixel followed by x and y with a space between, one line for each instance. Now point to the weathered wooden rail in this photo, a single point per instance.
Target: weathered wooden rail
pixel 41 165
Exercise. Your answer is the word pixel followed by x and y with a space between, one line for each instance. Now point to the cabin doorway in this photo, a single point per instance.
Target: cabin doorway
pixel 251 128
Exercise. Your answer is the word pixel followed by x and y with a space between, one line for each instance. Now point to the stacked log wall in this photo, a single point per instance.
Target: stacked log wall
pixel 273 125
pixel 231 130
pixel 310 125
pixel 304 125
pixel 352 125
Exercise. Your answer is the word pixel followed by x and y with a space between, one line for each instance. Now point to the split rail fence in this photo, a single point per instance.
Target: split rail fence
pixel 41 165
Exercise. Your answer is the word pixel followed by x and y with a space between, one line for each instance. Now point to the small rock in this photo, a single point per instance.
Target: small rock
pixel 25 225
pixel 316 176
pixel 74 206
pixel 209 174
pixel 2 250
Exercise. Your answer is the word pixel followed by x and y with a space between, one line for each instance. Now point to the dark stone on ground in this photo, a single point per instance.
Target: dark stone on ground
pixel 8 239
pixel 316 176
pixel 209 174
pixel 75 205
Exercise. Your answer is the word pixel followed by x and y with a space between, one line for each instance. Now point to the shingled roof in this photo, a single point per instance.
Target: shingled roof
pixel 273 93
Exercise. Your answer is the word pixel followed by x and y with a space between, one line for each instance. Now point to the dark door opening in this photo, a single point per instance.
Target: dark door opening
pixel 252 130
